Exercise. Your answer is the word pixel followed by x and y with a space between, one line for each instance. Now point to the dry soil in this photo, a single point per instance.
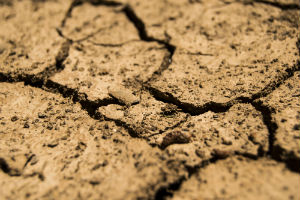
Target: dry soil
pixel 157 99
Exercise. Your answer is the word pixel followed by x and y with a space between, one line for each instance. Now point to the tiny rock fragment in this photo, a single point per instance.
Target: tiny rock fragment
pixel 112 111
pixel 123 95
pixel 14 118
pixel 175 137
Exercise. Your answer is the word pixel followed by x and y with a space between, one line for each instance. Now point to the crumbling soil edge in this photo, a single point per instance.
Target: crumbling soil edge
pixel 282 6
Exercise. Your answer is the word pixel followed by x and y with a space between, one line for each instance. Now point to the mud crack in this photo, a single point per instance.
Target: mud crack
pixel 265 111
pixel 166 192
pixel 69 12
pixel 268 121
pixel 111 45
pixel 275 151
pixel 140 26
pixel 282 6
pixel 191 109
pixel 41 80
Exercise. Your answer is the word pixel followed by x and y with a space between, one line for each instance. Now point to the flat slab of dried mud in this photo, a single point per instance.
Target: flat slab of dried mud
pixel 131 99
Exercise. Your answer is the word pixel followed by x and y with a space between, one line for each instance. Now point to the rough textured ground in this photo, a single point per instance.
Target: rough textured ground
pixel 161 99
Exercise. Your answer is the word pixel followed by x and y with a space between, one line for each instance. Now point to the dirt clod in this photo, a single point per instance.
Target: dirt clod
pixel 175 137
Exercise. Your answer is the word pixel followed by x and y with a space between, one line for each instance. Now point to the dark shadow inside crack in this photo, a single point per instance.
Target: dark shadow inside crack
pixel 282 6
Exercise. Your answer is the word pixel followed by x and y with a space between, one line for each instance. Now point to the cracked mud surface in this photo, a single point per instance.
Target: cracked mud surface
pixel 149 99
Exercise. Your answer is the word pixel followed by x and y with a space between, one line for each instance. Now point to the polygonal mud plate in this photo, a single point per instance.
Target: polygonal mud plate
pixel 199 80
pixel 29 41
pixel 93 69
pixel 232 52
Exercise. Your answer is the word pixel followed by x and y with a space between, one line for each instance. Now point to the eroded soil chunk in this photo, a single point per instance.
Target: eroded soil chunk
pixel 228 52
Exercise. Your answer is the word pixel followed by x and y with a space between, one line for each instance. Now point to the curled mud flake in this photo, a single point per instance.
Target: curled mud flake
pixel 123 95
pixel 175 137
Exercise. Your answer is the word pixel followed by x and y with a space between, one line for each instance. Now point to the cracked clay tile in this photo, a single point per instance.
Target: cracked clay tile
pixel 285 101
pixel 240 130
pixel 167 19
pixel 28 39
pixel 241 178
pixel 234 58
pixel 62 152
pixel 100 24
pixel 93 69
pixel 213 23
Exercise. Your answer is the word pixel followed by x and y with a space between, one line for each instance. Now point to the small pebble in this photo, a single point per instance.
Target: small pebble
pixel 14 118
pixel 123 95
pixel 26 125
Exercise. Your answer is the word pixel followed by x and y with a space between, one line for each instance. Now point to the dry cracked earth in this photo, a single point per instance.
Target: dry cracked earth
pixel 159 99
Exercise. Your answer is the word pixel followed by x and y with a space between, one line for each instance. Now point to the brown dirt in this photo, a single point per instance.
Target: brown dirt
pixel 130 99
